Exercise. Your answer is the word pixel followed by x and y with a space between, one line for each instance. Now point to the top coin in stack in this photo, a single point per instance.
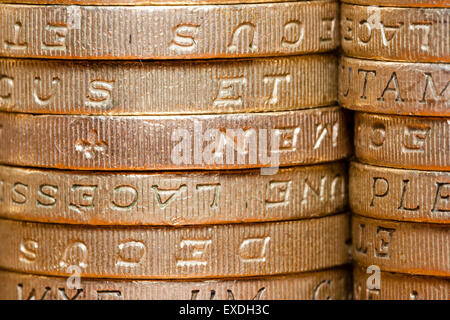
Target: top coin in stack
pixel 396 34
pixel 139 2
pixel 390 3
pixel 168 32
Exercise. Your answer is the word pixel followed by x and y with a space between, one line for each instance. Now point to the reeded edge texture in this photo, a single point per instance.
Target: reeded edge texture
pixel 398 286
pixel 140 2
pixel 174 87
pixel 403 142
pixel 416 89
pixel 396 34
pixel 216 251
pixel 319 285
pixel 402 3
pixel 399 194
pixel 406 247
pixel 228 141
pixel 168 32
pixel 175 198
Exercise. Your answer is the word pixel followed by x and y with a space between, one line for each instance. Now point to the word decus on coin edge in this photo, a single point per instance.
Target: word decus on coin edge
pixel 251 249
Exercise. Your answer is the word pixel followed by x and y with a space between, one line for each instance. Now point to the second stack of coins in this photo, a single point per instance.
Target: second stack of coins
pixel 396 75
pixel 210 172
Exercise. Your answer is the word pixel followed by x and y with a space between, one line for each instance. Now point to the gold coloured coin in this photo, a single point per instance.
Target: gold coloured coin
pixel 176 198
pixel 187 87
pixel 139 2
pixel 168 32
pixel 174 142
pixel 407 247
pixel 403 142
pixel 397 34
pixel 421 89
pixel 398 194
pixel 319 285
pixel 397 286
pixel 230 250
pixel 399 3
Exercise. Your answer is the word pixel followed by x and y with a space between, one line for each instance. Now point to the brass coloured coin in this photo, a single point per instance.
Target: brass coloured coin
pixel 417 89
pixel 168 32
pixel 175 87
pixel 398 286
pixel 319 285
pixel 396 34
pixel 403 142
pixel 226 141
pixel 399 194
pixel 216 251
pixel 141 2
pixel 172 198
pixel 406 247
pixel 393 3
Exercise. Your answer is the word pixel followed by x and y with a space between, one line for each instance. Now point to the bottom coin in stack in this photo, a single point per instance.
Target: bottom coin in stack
pixel 327 284
pixel 372 283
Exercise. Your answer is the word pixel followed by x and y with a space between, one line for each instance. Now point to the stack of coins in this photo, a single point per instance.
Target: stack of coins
pixel 395 74
pixel 188 178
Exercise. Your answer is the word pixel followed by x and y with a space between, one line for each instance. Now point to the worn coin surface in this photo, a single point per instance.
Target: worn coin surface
pixel 398 286
pixel 229 250
pixel 174 142
pixel 408 247
pixel 395 3
pixel 320 285
pixel 398 34
pixel 395 87
pixel 176 198
pixel 168 32
pixel 398 194
pixel 403 142
pixel 209 86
